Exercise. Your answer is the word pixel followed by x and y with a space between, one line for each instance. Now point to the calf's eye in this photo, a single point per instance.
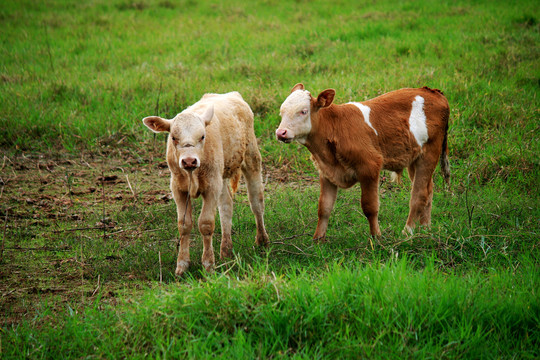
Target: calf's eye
pixel 202 138
pixel 303 112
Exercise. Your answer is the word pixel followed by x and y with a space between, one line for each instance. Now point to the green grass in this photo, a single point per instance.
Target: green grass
pixel 382 310
pixel 87 266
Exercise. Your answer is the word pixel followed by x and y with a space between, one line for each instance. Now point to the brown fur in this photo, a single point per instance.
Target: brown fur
pixel 346 150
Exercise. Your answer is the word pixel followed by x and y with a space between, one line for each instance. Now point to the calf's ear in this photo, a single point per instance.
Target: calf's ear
pixel 208 115
pixel 157 124
pixel 325 98
pixel 298 86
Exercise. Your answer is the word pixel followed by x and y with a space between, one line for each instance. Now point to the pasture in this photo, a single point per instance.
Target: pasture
pixel 88 226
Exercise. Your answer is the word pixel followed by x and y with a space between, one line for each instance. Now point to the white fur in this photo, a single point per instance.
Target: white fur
pixel 207 116
pixel 189 127
pixel 417 121
pixel 365 111
pixel 297 99
pixel 298 125
pixel 408 230
pixel 182 264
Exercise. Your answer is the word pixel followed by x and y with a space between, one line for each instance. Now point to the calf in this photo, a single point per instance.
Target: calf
pixel 353 142
pixel 210 142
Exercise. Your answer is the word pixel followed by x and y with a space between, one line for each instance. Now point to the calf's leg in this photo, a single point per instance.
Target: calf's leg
pixel 327 199
pixel 411 172
pixel 183 209
pixel 421 194
pixel 225 215
pixel 207 223
pixel 252 170
pixel 425 217
pixel 370 203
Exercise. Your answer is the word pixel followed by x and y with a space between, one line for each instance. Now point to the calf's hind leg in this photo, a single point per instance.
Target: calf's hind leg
pixel 225 215
pixel 252 170
pixel 425 216
pixel 370 203
pixel 421 195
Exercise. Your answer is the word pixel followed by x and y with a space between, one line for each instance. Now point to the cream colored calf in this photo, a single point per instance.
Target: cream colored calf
pixel 209 143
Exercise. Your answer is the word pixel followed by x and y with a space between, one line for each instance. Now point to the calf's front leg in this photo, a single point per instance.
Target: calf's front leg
pixel 183 208
pixel 327 200
pixel 207 221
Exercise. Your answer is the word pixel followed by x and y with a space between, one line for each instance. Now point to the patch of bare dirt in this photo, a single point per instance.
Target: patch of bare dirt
pixel 42 200
pixel 50 205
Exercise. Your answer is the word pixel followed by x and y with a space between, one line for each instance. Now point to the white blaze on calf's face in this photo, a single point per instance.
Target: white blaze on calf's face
pixel 295 117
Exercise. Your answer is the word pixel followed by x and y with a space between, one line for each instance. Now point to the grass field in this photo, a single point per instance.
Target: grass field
pixel 88 225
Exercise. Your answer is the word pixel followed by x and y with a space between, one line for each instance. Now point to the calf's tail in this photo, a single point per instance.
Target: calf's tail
pixel 443 160
pixel 235 179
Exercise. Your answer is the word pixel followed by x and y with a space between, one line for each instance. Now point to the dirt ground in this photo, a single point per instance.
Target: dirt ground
pixel 50 203
pixel 46 198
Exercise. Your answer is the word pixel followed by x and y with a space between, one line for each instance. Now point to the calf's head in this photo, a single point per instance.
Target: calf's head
pixel 187 133
pixel 297 112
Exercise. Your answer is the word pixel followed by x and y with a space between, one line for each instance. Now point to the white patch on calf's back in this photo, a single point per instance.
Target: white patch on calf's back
pixel 365 111
pixel 417 121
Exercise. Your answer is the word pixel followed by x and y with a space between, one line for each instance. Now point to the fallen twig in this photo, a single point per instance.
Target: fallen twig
pixel 130 188
pixel 302 252
pixel 129 183
pixel 297 253
pixel 97 288
pixel 160 271
pixel 9 292
pixel 4 237
pixel 82 229
pixel 289 238
pixel 275 287
pixel 44 248
pixel 282 243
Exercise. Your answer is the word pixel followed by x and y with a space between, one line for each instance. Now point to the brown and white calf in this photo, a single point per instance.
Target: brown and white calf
pixel 353 142
pixel 209 143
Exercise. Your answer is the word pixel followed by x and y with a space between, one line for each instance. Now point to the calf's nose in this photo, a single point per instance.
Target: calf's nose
pixel 189 163
pixel 281 134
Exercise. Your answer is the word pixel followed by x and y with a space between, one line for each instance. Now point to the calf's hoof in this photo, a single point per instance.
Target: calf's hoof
pixel 225 251
pixel 208 266
pixel 262 239
pixel 407 230
pixel 181 267
pixel 320 239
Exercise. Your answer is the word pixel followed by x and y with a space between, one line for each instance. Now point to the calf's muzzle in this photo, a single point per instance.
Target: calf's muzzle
pixel 189 163
pixel 282 135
